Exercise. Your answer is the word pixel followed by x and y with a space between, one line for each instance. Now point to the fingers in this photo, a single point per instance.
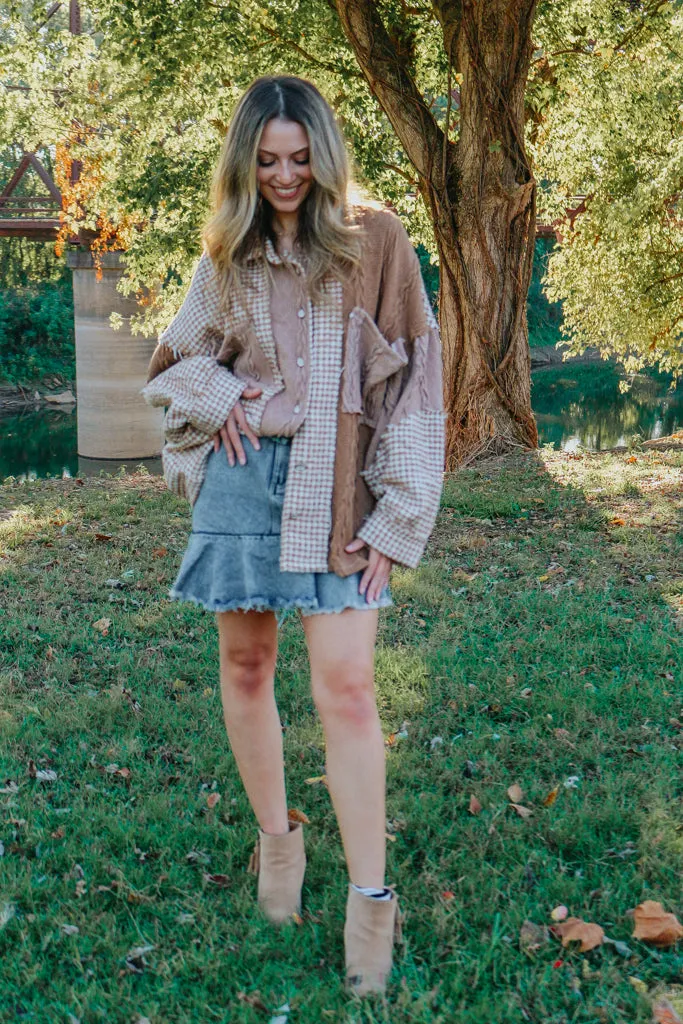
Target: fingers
pixel 376 576
pixel 234 435
pixel 242 422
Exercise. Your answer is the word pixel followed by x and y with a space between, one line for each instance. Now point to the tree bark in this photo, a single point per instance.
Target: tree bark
pixel 481 194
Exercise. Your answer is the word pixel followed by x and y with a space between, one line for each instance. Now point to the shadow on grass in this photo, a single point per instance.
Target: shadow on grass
pixel 536 645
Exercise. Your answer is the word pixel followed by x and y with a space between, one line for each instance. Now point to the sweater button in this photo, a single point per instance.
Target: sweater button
pixel 300 361
pixel 297 408
pixel 301 313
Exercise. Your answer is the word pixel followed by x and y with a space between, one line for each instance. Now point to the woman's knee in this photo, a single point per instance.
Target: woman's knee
pixel 346 691
pixel 248 671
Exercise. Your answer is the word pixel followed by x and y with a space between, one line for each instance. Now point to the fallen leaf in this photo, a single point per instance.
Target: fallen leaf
pixel 575 930
pixel 294 814
pixel 222 881
pixel 550 799
pixel 102 625
pixel 559 913
pixel 532 936
pixel 297 918
pixel 212 799
pixel 159 552
pixel 317 780
pixel 475 806
pixel 654 925
pixel 523 812
pixel 638 984
pixel 447 896
pixel 253 999
pixel 81 887
pixel 664 1013
pixel 58 833
pixel 515 793
pixel 103 537
pixel 617 521
pixel 70 929
pixel 45 775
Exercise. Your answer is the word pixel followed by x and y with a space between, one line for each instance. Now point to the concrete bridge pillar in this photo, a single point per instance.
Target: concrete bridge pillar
pixel 114 421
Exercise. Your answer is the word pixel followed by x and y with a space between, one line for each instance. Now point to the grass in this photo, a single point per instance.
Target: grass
pixel 538 643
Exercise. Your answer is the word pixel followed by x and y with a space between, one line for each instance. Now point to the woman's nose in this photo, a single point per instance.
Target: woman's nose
pixel 286 173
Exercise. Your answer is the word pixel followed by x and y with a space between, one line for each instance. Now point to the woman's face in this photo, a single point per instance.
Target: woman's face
pixel 283 169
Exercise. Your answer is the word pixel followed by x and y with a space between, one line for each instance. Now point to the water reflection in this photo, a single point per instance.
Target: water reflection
pixel 574 405
pixel 43 442
pixel 582 406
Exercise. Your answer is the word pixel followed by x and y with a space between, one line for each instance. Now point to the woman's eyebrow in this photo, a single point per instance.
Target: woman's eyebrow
pixel 268 152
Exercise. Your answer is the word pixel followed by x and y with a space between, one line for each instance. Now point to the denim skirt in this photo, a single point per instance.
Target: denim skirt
pixel 232 557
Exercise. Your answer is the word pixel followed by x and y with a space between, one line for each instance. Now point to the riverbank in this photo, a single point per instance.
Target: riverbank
pixel 52 391
pixel 538 645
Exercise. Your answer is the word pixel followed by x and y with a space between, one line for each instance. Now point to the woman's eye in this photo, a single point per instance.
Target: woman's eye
pixel 304 161
pixel 266 163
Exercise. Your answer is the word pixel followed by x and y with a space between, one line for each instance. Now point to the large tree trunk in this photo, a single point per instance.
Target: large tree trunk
pixel 481 195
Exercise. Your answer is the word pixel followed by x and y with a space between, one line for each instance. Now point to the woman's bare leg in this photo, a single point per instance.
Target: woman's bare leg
pixel 248 651
pixel 341 650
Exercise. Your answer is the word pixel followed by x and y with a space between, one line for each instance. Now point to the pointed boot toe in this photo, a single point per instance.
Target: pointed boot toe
pixel 280 863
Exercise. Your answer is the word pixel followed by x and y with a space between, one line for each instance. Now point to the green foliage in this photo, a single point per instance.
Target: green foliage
pixel 37 326
pixel 612 130
pixel 537 642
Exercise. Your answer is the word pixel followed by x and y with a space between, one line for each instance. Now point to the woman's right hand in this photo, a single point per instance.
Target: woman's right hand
pixel 230 430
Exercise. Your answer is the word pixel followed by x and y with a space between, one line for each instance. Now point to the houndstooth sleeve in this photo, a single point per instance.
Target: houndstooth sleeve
pixel 405 471
pixel 198 392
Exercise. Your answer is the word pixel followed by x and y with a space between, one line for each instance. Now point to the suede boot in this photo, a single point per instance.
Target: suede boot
pixel 369 933
pixel 279 862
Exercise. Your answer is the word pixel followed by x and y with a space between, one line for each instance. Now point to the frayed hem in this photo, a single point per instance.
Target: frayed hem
pixel 263 605
pixel 342 608
pixel 257 605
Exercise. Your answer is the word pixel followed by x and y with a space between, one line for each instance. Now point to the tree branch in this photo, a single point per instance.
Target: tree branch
pixel 392 85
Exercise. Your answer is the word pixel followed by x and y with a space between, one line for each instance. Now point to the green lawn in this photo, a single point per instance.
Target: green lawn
pixel 538 644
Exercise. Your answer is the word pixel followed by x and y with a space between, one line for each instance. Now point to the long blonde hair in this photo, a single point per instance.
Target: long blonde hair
pixel 242 219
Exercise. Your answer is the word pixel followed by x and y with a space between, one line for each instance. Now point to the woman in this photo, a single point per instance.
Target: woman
pixel 302 377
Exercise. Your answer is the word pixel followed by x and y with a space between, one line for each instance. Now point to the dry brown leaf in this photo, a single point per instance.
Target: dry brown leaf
pixel 253 999
pixel 575 930
pixel 222 881
pixel 664 1013
pixel 102 625
pixel 550 799
pixel 559 913
pixel 523 812
pixel 212 799
pixel 654 925
pixel 159 552
pixel 516 793
pixel 475 806
pixel 297 918
pixel 103 537
pixel 58 833
pixel 294 814
pixel 447 896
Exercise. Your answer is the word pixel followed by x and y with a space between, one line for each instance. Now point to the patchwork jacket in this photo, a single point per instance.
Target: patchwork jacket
pixel 367 459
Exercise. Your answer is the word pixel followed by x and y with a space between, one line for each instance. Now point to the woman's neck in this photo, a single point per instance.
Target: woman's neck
pixel 285 226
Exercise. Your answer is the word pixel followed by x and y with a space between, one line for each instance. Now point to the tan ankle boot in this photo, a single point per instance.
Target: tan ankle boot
pixel 279 862
pixel 369 932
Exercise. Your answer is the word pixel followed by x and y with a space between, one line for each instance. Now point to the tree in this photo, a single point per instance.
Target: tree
pixel 612 130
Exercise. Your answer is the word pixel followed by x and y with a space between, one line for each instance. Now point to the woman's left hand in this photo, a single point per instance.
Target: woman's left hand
pixel 376 576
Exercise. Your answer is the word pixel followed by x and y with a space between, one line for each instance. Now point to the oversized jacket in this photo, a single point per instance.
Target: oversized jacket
pixel 368 459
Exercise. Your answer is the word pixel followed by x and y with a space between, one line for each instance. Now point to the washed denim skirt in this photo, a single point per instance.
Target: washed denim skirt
pixel 232 558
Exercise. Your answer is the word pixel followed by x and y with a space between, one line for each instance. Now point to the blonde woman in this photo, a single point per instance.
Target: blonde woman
pixel 302 378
